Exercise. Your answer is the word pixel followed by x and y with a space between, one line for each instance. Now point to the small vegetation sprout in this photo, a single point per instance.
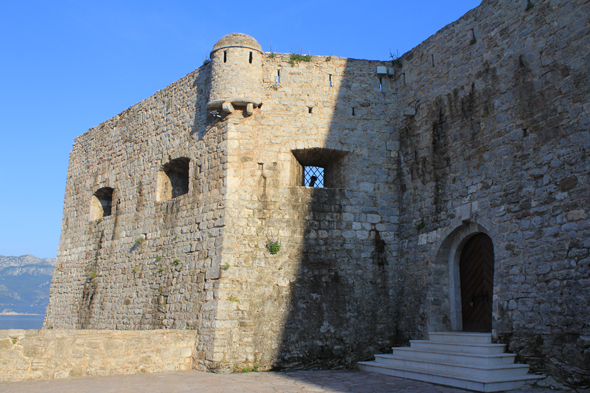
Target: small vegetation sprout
pixel 274 246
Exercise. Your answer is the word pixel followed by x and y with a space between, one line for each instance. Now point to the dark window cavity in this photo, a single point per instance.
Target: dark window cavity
pixel 250 58
pixel 101 203
pixel 173 179
pixel 225 56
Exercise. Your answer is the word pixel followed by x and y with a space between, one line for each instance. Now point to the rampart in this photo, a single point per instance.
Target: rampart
pixel 48 354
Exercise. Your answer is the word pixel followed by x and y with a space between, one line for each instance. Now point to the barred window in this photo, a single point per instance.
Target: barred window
pixel 318 168
pixel 313 176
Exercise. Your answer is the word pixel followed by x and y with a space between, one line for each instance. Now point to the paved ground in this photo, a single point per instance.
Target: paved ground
pixel 271 382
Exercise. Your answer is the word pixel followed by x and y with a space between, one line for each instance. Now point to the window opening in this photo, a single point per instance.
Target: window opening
pixel 313 176
pixel 278 76
pixel 318 168
pixel 250 59
pixel 380 83
pixel 101 204
pixel 173 179
pixel 310 109
pixel 330 79
pixel 353 111
pixel 225 56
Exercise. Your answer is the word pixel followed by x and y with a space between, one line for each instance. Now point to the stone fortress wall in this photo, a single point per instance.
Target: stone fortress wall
pixel 481 128
pixel 500 143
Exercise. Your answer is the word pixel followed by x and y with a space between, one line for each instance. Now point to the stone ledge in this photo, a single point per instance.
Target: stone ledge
pixel 53 353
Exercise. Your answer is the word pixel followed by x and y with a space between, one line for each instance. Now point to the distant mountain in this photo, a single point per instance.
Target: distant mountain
pixel 24 284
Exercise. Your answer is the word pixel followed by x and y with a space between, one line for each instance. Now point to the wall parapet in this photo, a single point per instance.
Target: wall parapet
pixel 49 353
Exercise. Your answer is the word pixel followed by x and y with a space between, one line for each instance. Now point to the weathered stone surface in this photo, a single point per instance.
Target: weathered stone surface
pixel 497 143
pixel 93 352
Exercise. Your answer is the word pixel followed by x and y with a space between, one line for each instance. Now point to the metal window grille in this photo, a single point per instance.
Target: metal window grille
pixel 313 176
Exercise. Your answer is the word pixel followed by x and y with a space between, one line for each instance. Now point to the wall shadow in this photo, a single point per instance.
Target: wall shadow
pixel 345 299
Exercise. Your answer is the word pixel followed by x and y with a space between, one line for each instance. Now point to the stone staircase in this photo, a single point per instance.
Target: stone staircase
pixel 459 359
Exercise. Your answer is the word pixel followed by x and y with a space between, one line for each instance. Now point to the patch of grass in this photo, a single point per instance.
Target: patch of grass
pixel 206 61
pixel 473 41
pixel 135 270
pixel 161 269
pixel 139 240
pixel 158 258
pixel 176 262
pixel 272 55
pixel 420 225
pixel 92 274
pixel 245 370
pixel 175 238
pixel 233 299
pixel 395 60
pixel 296 57
pixel 529 6
pixel 329 58
pixel 94 284
pixel 225 266
pixel 14 341
pixel 99 221
pixel 274 86
pixel 255 369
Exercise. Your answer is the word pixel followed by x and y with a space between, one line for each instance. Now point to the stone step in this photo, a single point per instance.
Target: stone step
pixel 460 338
pixel 482 349
pixel 483 372
pixel 451 357
pixel 478 384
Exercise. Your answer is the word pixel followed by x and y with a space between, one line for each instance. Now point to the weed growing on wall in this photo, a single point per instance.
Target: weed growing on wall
pixel 420 225
pixel 273 246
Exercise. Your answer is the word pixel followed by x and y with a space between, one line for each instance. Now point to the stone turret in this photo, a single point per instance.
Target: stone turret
pixel 236 74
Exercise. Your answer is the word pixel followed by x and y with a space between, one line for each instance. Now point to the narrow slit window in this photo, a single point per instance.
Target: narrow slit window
pixel 313 176
pixel 225 56
pixel 432 57
pixel 278 76
pixel 250 58
pixel 380 83
pixel 310 109
pixel 330 79
pixel 353 111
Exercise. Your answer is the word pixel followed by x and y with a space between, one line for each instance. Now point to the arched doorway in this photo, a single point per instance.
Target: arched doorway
pixel 476 270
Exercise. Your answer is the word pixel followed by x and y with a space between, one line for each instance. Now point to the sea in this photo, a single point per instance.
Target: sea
pixel 21 321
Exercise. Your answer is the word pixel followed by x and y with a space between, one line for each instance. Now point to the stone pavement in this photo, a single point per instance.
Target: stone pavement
pixel 351 381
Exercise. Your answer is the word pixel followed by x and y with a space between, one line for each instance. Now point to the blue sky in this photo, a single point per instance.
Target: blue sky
pixel 66 66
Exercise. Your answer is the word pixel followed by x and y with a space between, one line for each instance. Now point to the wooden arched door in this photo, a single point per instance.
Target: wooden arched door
pixel 476 268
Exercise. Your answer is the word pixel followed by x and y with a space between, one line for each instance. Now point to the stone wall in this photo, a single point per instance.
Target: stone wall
pixel 150 264
pixel 328 298
pixel 499 143
pixel 48 354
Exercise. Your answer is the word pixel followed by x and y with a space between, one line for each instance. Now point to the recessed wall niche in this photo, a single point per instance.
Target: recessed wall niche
pixel 173 179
